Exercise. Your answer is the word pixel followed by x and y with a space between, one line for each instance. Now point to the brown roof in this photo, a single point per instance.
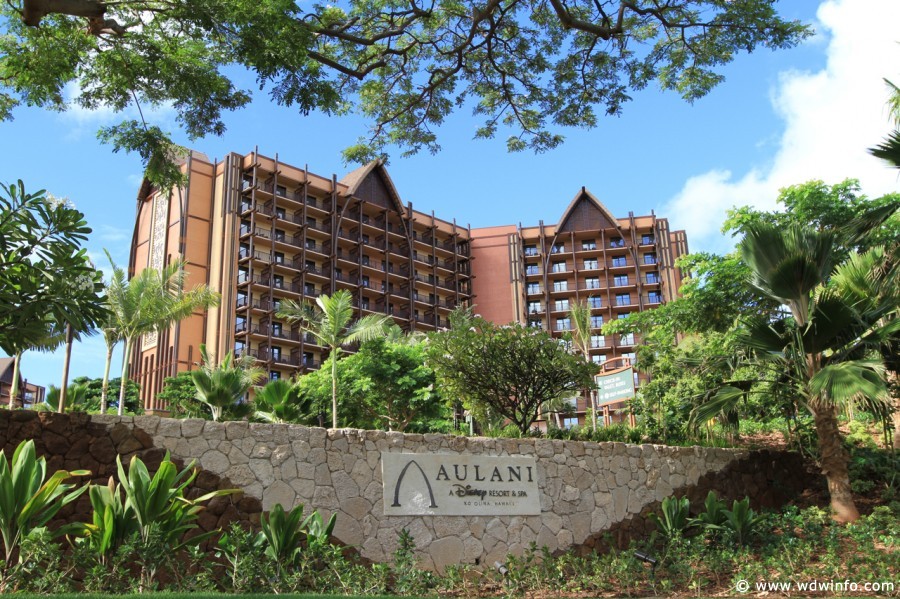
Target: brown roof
pixel 584 193
pixel 354 179
pixel 6 370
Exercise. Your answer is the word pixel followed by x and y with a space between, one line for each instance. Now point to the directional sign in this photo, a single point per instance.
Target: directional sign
pixel 615 387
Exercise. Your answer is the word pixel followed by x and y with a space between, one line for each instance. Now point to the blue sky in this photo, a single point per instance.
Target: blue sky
pixel 779 118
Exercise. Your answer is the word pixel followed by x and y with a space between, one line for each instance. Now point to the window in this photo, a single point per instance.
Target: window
pixel 616 242
pixel 311 222
pixel 244 251
pixel 309 289
pixel 310 265
pixel 591 264
pixel 536 324
pixel 592 283
pixel 630 356
pixel 627 339
pixel 364 303
pixel 365 280
pixel 588 244
pixel 646 239
pixel 654 297
pixel 280 235
pixel 245 227
pixel 620 280
pixel 623 299
pixel 279 257
pixel 531 250
pixel 563 324
pixel 561 305
pixel 365 238
pixel 534 307
pixel 276 329
pixel 308 358
pixel 570 422
pixel 598 341
pixel 365 261
pixel 281 190
pixel 276 353
pixel 278 282
pixel 534 288
pixel 276 305
pixel 559 248
pixel 595 302
pixel 596 322
pixel 310 244
pixel 560 285
pixel 652 277
pixel 559 267
pixel 619 262
pixel 241 300
pixel 246 205
pixel 274 375
pixel 281 213
pixel 599 358
pixel 623 315
pixel 532 269
pixel 649 258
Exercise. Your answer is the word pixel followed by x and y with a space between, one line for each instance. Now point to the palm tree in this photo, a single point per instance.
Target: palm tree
pixel 580 317
pixel 75 399
pixel 330 321
pixel 822 353
pixel 151 301
pixel 279 401
pixel 111 337
pixel 222 385
pixel 889 149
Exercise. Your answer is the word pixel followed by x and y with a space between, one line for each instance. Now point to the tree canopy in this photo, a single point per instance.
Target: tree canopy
pixel 47 280
pixel 509 370
pixel 527 66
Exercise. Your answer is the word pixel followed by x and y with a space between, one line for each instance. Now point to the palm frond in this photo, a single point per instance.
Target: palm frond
pixel 851 382
pixel 889 149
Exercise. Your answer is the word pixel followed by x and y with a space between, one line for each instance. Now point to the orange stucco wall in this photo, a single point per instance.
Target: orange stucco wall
pixel 495 293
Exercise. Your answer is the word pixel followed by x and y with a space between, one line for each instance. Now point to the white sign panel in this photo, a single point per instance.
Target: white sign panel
pixel 417 484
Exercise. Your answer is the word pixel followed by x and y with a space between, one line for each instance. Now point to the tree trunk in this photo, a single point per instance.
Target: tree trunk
pixel 64 386
pixel 123 385
pixel 593 396
pixel 14 390
pixel 104 395
pixel 834 461
pixel 333 390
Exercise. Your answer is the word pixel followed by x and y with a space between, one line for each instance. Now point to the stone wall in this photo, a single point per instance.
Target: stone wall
pixel 587 489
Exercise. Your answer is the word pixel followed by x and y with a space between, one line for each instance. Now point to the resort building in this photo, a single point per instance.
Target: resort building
pixel 259 231
pixel 28 393
pixel 615 265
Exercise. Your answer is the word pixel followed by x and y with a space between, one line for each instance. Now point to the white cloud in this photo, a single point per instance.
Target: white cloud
pixel 83 120
pixel 830 116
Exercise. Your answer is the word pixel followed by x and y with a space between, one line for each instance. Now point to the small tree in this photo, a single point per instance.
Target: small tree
pixel 151 301
pixel 330 321
pixel 47 281
pixel 512 370
pixel 222 385
pixel 390 386
pixel 281 401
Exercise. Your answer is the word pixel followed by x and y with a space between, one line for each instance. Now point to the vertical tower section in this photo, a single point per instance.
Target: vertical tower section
pixel 172 224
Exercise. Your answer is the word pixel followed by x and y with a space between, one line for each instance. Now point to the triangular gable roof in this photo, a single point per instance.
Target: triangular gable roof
pixel 6 370
pixel 586 200
pixel 367 181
